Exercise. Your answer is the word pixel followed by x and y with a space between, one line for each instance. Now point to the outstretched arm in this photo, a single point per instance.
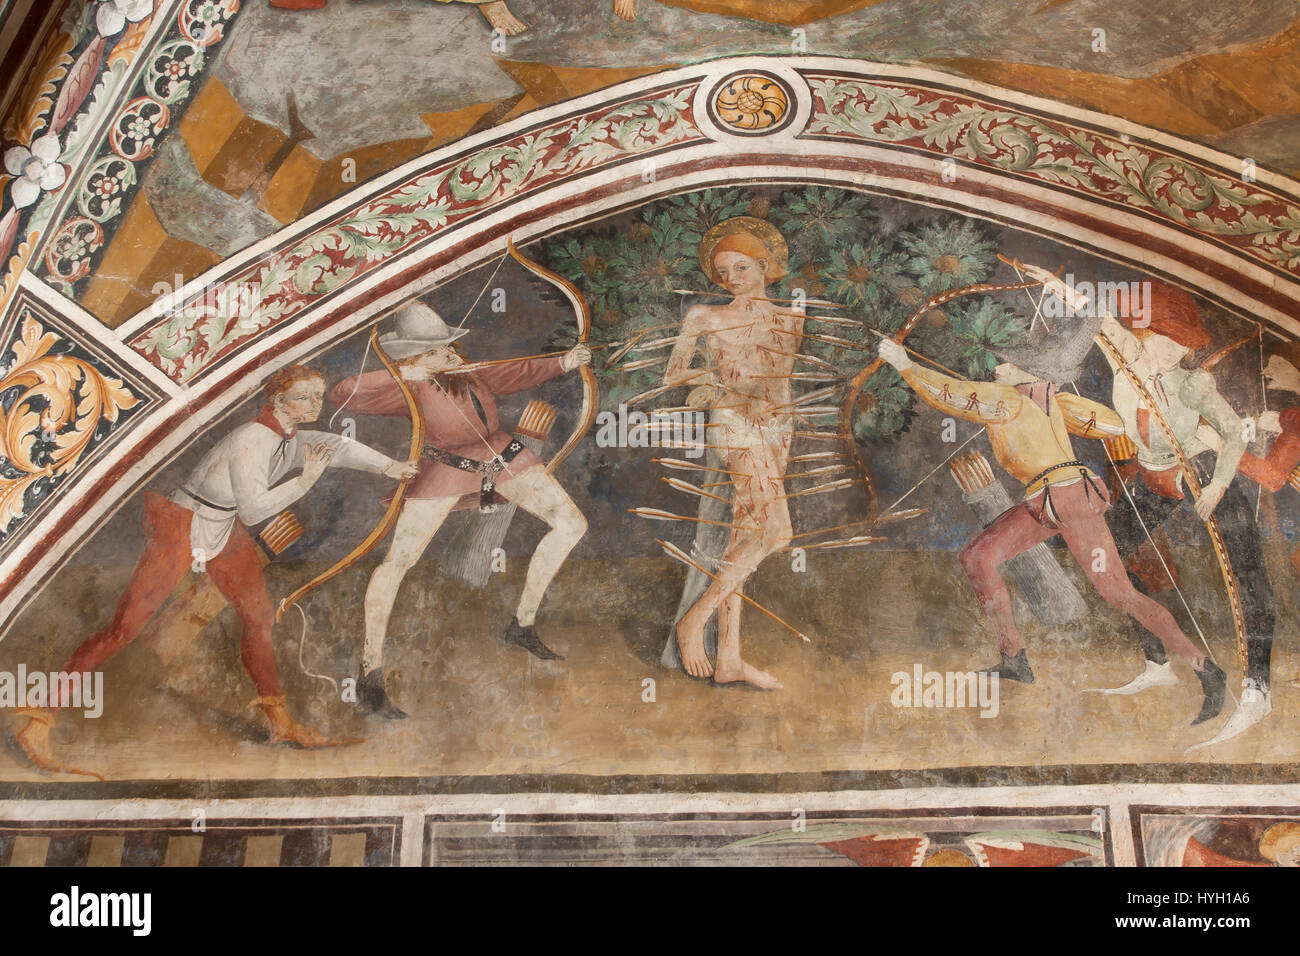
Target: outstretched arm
pixel 374 393
pixel 986 402
pixel 348 453
pixel 1274 470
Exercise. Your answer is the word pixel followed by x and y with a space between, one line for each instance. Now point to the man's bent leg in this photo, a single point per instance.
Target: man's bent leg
pixel 416 525
pixel 238 576
pixel 1089 540
pixel 542 496
pixel 165 561
pixel 1013 532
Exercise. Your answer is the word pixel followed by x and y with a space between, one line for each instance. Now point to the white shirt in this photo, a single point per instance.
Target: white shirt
pixel 237 479
pixel 1185 398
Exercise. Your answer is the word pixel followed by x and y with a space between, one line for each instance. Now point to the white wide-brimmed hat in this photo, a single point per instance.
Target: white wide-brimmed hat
pixel 417 329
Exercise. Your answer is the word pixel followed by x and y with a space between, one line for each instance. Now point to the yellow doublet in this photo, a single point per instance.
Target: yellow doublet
pixel 1026 440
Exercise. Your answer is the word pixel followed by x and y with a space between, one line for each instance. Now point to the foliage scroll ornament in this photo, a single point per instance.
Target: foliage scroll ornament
pixel 54 419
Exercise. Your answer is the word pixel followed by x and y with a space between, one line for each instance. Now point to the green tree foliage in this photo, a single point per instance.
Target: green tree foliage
pixel 839 251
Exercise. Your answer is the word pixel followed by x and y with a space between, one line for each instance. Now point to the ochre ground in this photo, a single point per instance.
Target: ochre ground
pixel 479 707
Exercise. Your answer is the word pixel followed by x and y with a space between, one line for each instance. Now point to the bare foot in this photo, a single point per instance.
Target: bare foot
pixel 690 641
pixel 750 675
pixel 499 15
pixel 625 9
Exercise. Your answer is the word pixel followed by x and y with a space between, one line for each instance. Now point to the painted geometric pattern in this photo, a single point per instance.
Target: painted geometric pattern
pixel 371 842
pixel 111 174
pixel 274 289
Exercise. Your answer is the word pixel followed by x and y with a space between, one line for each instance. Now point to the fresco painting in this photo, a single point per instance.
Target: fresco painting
pixel 686 429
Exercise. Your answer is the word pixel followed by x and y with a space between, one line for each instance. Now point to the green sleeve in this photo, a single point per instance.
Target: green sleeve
pixel 1201 393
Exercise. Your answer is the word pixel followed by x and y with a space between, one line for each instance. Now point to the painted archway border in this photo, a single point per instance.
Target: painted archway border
pixel 1123 192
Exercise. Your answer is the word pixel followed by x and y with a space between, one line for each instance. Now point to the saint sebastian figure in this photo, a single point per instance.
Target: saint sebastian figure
pixel 745 385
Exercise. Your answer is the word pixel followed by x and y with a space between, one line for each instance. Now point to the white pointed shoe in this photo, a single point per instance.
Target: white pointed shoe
pixel 1154 675
pixel 1254 707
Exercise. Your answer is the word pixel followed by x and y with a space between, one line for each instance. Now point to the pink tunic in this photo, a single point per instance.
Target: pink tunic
pixel 453 424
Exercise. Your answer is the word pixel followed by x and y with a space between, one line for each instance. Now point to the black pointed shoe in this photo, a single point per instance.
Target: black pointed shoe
pixel 526 637
pixel 1215 685
pixel 1013 668
pixel 372 695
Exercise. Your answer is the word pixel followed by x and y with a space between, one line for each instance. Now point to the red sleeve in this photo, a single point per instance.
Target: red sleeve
pixel 1273 471
pixel 377 394
pixel 520 376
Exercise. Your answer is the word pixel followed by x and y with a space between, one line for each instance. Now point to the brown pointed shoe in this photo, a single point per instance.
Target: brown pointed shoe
pixel 34 738
pixel 284 729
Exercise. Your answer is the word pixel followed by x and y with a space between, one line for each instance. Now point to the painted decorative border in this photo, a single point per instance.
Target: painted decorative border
pixel 141 116
pixel 1200 199
pixel 1111 812
pixel 276 288
pixel 1100 165
pixel 182 842
pixel 965 836
pixel 1183 836
pixel 104 89
pixel 81 404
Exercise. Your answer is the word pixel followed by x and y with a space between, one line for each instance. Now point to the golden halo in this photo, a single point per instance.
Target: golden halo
pixel 778 255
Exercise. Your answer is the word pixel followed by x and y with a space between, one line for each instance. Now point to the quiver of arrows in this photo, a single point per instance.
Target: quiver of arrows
pixel 195 602
pixel 468 555
pixel 1036 574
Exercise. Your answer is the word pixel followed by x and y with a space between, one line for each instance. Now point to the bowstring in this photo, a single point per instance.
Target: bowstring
pixel 1141 521
pixel 355 388
pixel 302 640
pixel 366 354
pixel 1123 484
pixel 479 297
pixel 505 466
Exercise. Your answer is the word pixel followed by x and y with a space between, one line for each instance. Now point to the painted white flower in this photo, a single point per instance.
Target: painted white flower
pixel 38 169
pixel 113 15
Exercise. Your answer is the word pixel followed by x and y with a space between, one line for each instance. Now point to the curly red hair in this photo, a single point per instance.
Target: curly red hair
pixel 287 378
